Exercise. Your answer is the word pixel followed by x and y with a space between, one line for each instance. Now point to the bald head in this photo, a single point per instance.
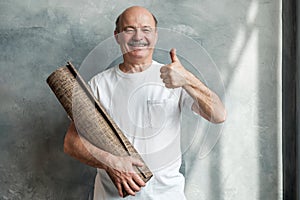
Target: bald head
pixel 137 12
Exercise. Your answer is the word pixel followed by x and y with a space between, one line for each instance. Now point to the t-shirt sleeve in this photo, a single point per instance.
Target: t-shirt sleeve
pixel 97 85
pixel 94 87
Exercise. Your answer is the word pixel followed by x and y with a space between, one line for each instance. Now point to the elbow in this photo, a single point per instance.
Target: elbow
pixel 212 115
pixel 220 117
pixel 67 145
pixel 219 120
pixel 69 140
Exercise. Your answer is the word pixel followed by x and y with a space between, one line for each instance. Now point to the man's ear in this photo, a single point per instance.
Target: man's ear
pixel 116 34
pixel 156 37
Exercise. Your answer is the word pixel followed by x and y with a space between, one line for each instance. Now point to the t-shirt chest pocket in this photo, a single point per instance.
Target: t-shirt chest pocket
pixel 160 111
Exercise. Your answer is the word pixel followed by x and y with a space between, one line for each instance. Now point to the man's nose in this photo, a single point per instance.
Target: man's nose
pixel 138 35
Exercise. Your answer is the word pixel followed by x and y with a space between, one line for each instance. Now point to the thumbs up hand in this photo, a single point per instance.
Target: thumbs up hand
pixel 174 74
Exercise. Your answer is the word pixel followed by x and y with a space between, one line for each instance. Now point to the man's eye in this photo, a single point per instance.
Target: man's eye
pixel 147 30
pixel 129 30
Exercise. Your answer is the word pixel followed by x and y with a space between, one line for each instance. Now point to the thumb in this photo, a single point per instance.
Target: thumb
pixel 137 162
pixel 173 55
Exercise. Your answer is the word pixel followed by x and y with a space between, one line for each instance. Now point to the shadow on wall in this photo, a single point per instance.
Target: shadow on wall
pixel 254 48
pixel 33 165
pixel 246 163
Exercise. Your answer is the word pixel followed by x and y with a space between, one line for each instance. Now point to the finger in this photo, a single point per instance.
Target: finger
pixel 120 189
pixel 169 85
pixel 138 180
pixel 133 185
pixel 164 69
pixel 128 189
pixel 164 75
pixel 173 55
pixel 137 162
pixel 166 81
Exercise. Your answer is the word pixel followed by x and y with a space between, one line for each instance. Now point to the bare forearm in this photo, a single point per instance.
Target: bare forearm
pixel 120 169
pixel 82 150
pixel 207 103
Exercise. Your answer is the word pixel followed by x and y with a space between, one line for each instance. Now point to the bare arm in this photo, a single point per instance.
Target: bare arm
pixel 76 146
pixel 120 169
pixel 206 102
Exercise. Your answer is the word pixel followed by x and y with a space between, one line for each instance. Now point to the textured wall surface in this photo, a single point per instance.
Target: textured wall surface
pixel 243 39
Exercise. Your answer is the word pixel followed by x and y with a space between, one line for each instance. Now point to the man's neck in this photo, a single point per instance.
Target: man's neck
pixel 128 67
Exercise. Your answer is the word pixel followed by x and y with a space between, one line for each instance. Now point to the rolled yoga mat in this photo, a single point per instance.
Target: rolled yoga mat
pixel 91 120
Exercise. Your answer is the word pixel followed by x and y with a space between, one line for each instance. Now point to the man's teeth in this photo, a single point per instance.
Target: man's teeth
pixel 137 44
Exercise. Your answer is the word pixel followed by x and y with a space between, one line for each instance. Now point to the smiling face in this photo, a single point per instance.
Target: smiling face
pixel 136 35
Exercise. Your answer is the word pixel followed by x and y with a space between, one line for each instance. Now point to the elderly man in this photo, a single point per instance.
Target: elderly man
pixel 145 99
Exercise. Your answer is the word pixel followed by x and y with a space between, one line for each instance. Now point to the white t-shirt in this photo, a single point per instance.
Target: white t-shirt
pixel 148 114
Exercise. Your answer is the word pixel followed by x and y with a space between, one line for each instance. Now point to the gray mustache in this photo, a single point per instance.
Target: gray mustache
pixel 137 44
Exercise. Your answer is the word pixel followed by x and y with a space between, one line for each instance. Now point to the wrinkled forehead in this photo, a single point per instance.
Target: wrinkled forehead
pixel 137 19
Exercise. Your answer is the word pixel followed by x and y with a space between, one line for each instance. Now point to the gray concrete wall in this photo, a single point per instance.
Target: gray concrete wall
pixel 243 39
